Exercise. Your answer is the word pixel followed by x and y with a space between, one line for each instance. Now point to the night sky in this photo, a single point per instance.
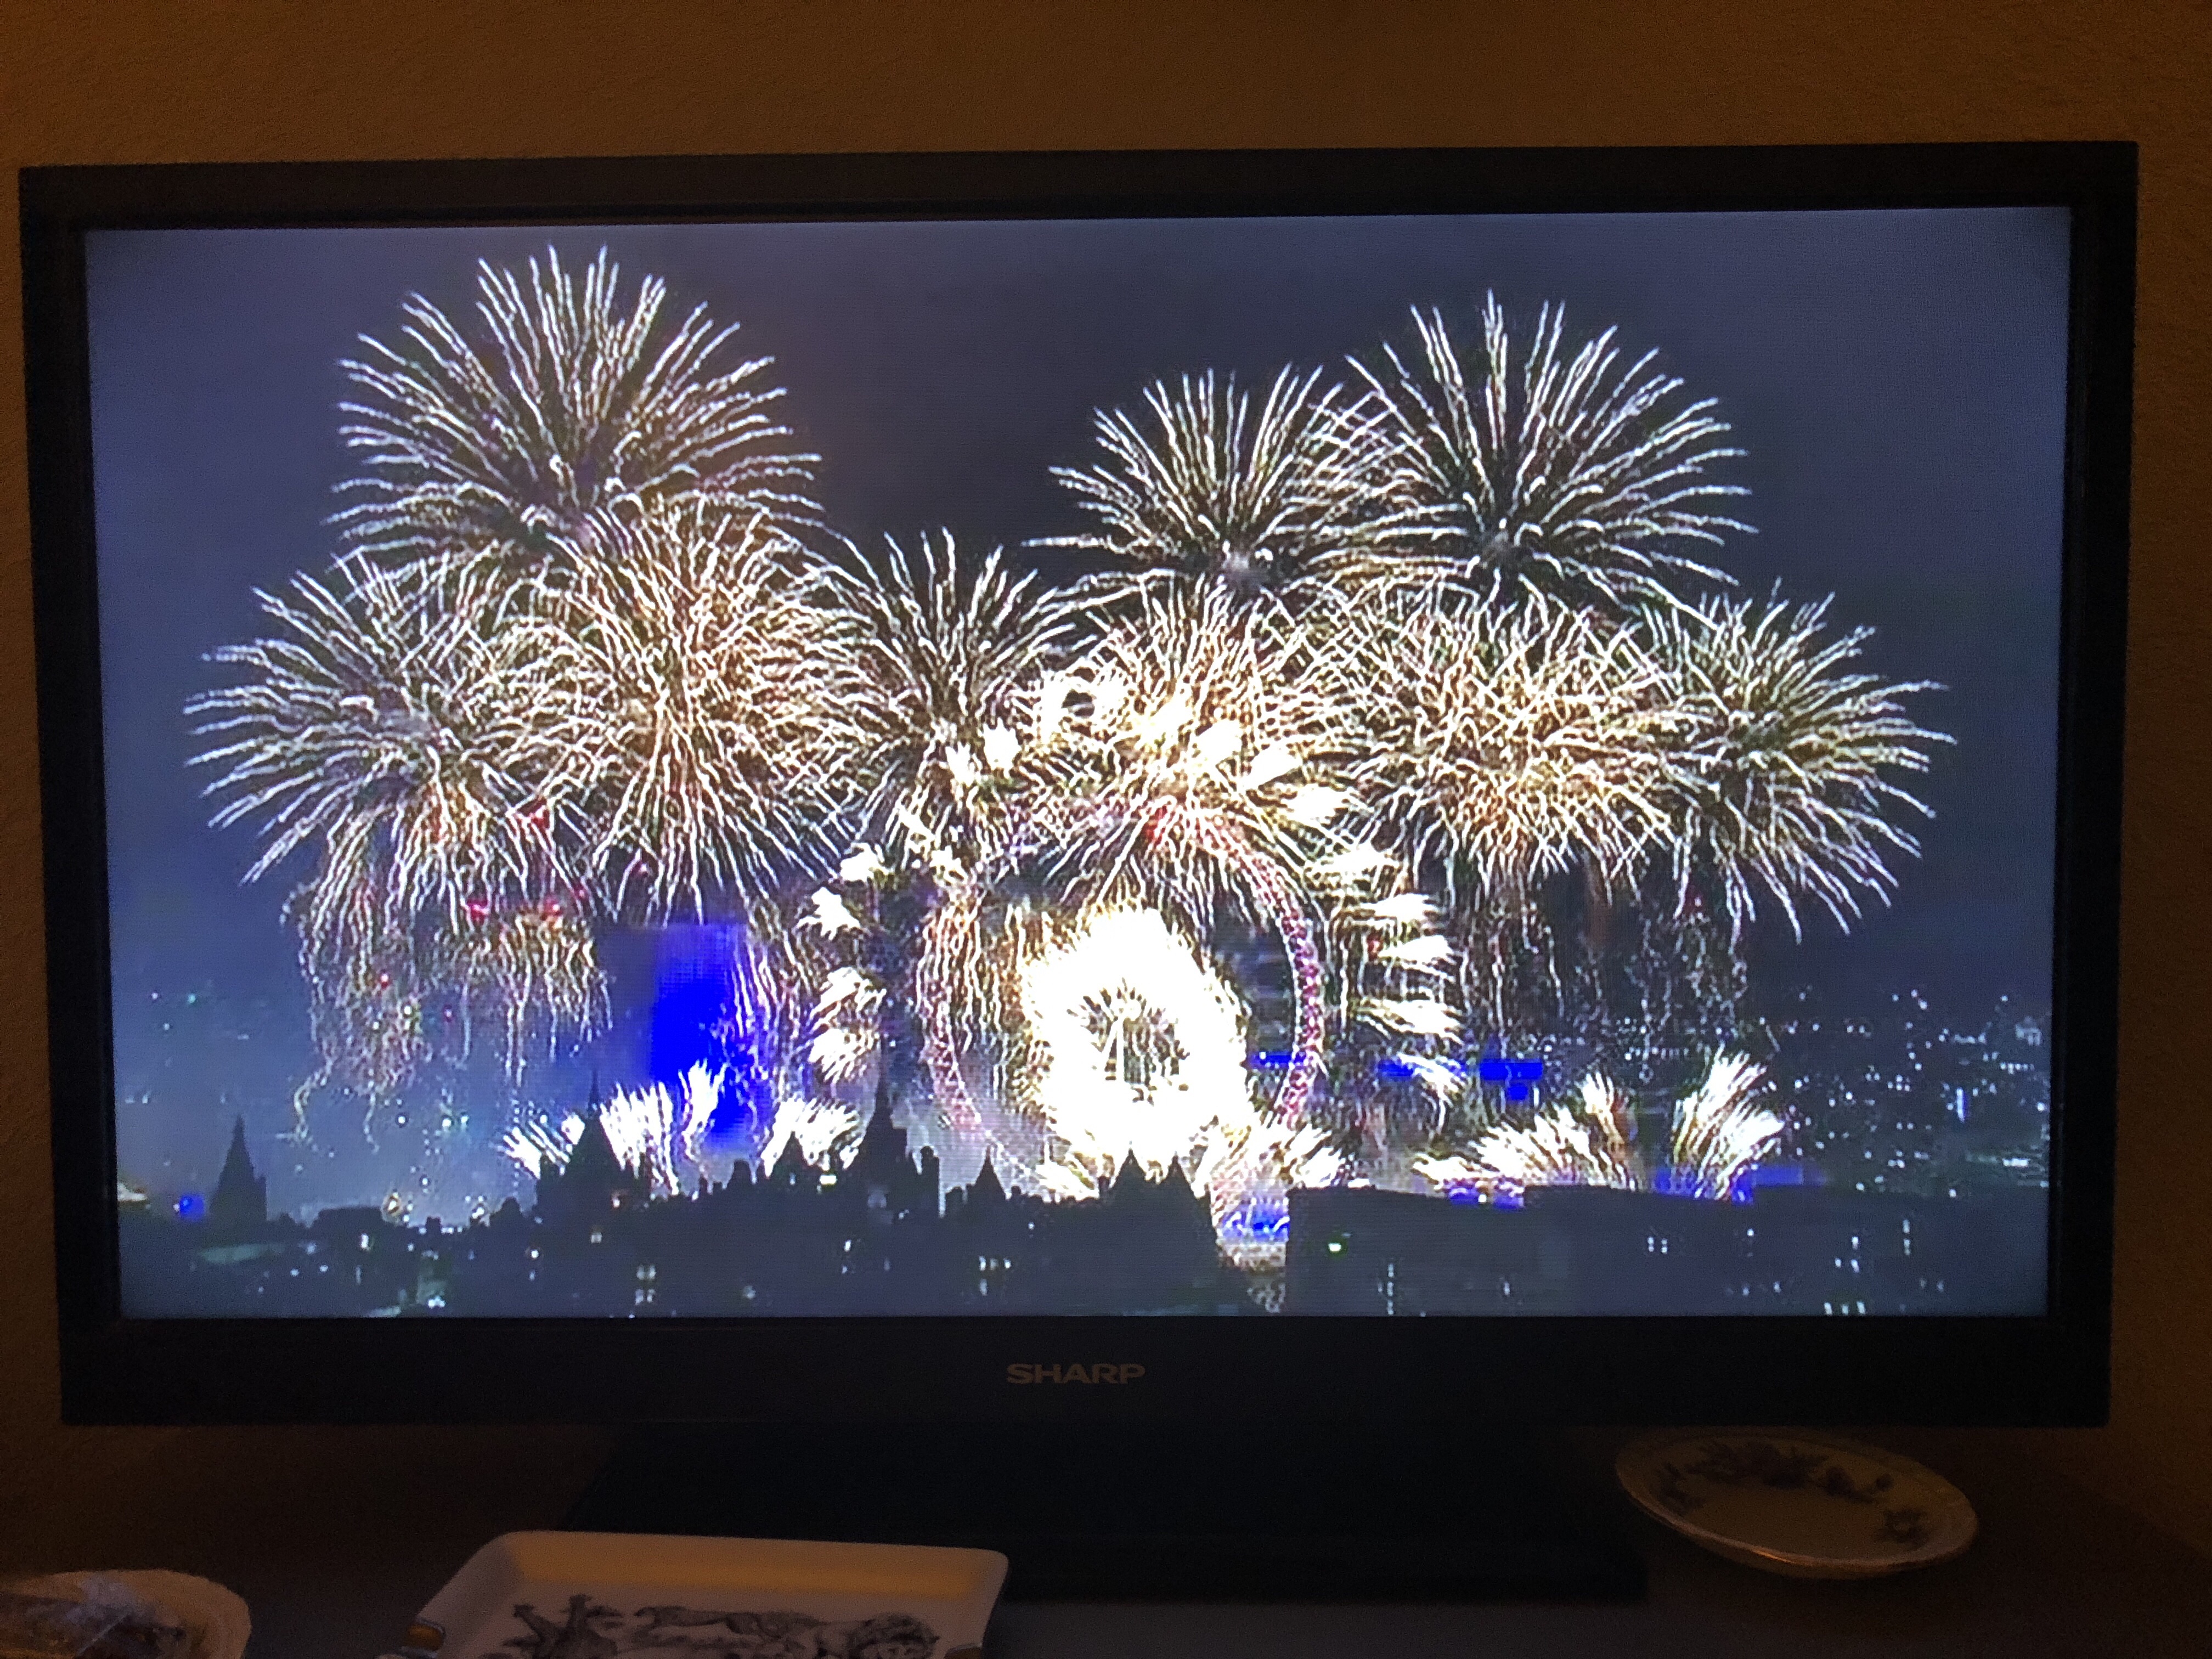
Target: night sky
pixel 1898 377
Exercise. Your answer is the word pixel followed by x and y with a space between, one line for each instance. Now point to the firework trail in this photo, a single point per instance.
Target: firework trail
pixel 1573 471
pixel 540 965
pixel 1783 788
pixel 366 1004
pixel 824 1130
pixel 691 673
pixel 1717 1134
pixel 1202 487
pixel 941 989
pixel 569 400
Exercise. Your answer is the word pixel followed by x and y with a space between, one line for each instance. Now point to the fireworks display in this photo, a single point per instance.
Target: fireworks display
pixel 563 401
pixel 1790 762
pixel 1713 1136
pixel 1575 470
pixel 1202 487
pixel 1395 721
pixel 688 669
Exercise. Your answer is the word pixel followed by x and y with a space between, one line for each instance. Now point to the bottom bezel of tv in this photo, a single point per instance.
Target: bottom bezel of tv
pixel 1562 1371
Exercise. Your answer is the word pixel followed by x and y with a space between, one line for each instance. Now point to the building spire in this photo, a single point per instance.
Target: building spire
pixel 241 1197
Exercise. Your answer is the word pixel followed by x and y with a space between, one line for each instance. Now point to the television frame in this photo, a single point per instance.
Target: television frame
pixel 2051 1369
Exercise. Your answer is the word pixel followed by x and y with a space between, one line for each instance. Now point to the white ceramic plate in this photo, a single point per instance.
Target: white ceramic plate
pixel 1808 1505
pixel 218 1620
pixel 529 1594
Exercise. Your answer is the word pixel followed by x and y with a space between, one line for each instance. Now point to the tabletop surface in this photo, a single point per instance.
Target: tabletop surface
pixel 336 1536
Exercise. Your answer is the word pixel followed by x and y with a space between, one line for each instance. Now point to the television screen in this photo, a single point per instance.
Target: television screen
pixel 1462 765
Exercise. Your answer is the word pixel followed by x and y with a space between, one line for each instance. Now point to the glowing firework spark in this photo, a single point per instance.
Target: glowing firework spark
pixel 1717 1134
pixel 1206 488
pixel 1783 788
pixel 568 402
pixel 691 678
pixel 1578 471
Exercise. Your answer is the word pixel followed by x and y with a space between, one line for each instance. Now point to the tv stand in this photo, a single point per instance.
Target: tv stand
pixel 1134 1511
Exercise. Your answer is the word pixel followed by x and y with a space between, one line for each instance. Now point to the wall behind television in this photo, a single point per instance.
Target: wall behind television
pixel 265 80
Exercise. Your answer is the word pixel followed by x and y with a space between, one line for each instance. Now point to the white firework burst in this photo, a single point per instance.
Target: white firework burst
pixel 1511 741
pixel 1722 1129
pixel 1186 771
pixel 1579 470
pixel 1717 1134
pixel 1588 1142
pixel 1141 1055
pixel 385 723
pixel 692 668
pixel 1786 762
pixel 1199 733
pixel 391 726
pixel 570 397
pixel 950 656
pixel 655 1132
pixel 1203 486
pixel 1180 762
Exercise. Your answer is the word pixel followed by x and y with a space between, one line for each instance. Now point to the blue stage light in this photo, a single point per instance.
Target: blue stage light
pixel 1519 1075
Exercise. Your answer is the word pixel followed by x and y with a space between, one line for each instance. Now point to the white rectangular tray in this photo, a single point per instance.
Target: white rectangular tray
pixel 600 1595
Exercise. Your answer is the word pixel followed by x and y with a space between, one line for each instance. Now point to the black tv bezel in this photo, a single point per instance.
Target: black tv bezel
pixel 2051 1369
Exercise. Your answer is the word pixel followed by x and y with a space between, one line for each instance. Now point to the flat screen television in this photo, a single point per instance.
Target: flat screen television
pixel 1430 787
